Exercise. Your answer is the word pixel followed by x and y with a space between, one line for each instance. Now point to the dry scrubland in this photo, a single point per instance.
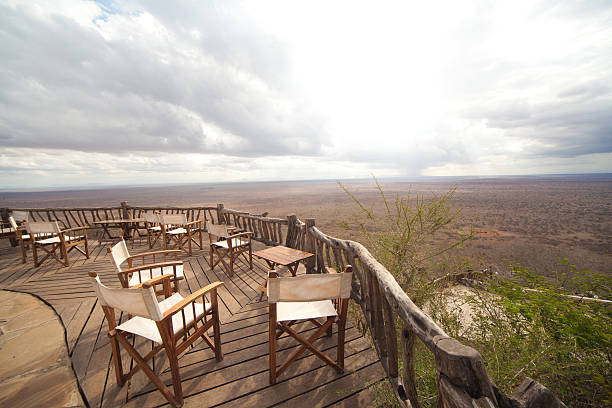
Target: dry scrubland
pixel 536 221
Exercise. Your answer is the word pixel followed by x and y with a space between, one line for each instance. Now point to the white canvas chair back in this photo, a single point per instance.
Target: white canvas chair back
pixel 12 222
pixel 173 219
pixel 47 227
pixel 135 301
pixel 217 230
pixel 119 253
pixel 20 216
pixel 310 288
pixel 152 218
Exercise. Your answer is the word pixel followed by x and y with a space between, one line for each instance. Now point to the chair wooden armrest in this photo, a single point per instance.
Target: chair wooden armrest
pixel 194 222
pixel 150 266
pixel 155 281
pixel 164 253
pixel 192 298
pixel 240 234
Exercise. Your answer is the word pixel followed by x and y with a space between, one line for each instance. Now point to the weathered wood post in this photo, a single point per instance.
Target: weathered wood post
pixel 409 375
pixel 292 232
pixel 309 246
pixel 220 217
pixel 125 213
pixel 4 213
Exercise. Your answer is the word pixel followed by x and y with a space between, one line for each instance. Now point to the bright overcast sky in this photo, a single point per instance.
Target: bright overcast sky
pixel 117 92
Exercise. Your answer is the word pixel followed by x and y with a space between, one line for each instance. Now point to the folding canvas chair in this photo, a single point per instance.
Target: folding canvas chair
pixel 17 224
pixel 8 228
pixel 226 246
pixel 173 325
pixel 148 265
pixel 49 237
pixel 178 233
pixel 153 228
pixel 308 298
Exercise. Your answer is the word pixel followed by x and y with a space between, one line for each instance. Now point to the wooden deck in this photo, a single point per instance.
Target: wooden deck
pixel 241 379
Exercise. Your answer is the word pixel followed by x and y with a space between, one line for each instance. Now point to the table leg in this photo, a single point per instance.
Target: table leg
pixel 293 267
pixel 105 234
pixel 264 288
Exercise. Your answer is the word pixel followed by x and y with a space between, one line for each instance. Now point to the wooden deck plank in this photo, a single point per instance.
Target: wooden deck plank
pixel 340 389
pixel 77 324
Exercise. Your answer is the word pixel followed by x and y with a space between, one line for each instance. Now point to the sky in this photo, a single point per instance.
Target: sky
pixel 154 92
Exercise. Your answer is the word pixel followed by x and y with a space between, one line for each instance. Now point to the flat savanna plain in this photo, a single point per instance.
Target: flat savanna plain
pixel 536 221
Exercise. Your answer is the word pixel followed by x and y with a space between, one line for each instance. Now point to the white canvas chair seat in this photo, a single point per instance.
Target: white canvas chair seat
pixel 307 298
pixel 7 230
pixel 155 228
pixel 145 275
pixel 174 325
pixel 287 311
pixel 55 240
pixel 148 328
pixel 236 242
pixel 176 231
pixel 145 266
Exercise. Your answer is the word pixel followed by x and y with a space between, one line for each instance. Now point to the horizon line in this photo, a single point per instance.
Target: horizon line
pixel 85 187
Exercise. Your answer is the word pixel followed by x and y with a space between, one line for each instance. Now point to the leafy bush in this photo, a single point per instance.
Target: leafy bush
pixel 402 236
pixel 532 327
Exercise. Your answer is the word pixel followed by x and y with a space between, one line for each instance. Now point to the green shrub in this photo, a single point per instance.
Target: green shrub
pixel 531 327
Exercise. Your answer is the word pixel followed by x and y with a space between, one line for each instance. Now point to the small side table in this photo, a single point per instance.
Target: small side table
pixel 281 255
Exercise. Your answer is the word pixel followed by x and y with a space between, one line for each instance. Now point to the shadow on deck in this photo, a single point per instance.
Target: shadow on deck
pixel 241 379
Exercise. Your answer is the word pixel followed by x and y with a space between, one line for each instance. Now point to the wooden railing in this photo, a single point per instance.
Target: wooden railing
pixel 73 217
pixel 394 322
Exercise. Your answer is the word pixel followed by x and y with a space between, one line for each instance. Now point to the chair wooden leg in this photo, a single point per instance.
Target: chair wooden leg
pixel 35 254
pixel 86 247
pixel 23 251
pixel 64 252
pixel 340 352
pixel 307 344
pixel 216 327
pixel 211 250
pixel 272 343
pixel 250 257
pixel 149 373
pixel 117 360
pixel 176 376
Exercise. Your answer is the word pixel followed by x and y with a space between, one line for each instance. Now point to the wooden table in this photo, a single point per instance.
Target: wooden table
pixel 105 234
pixel 281 255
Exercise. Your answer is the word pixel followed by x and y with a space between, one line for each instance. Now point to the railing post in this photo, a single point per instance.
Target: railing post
pixel 125 214
pixel 220 217
pixel 291 231
pixel 409 375
pixel 4 213
pixel 309 246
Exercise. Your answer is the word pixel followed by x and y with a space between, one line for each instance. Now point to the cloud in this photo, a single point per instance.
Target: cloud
pixel 129 82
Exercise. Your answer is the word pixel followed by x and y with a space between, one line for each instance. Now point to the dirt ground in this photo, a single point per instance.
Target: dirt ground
pixel 536 221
